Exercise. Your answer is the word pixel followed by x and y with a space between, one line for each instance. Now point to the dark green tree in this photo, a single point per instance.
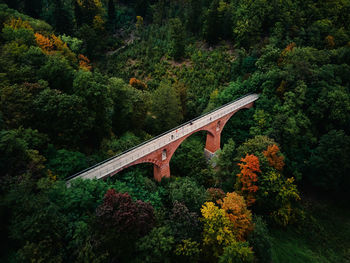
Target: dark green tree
pixel 177 38
pixel 166 107
pixel 211 24
pixel 328 164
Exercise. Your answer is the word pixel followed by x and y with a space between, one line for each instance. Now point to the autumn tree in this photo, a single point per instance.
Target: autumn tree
pixel 217 230
pixel 236 210
pixel 121 221
pixel 44 43
pixel 183 223
pixel 273 155
pixel 138 84
pixel 249 167
pixel 84 63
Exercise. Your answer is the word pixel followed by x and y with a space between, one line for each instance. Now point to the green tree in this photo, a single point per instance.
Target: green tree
pixel 166 107
pixel 238 252
pixel 260 240
pixel 226 168
pixel 157 246
pixel 130 106
pixel 58 73
pixel 189 160
pixel 61 16
pixel 70 121
pixel 187 191
pixel 328 164
pixel 65 163
pixel 211 25
pixel 177 38
pixel 111 15
pixel 33 8
pixel 16 104
pixel 92 88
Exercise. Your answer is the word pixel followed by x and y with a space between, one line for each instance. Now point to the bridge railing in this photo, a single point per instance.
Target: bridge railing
pixel 181 130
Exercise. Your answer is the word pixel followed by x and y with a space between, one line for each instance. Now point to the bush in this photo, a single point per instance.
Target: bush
pixel 188 251
pixel 215 194
pixel 66 163
pixel 187 191
pixel 260 240
pixel 238 252
pixel 184 224
pixel 156 246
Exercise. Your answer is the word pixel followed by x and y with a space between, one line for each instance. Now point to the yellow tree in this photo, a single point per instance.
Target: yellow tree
pixel 217 229
pixel 236 210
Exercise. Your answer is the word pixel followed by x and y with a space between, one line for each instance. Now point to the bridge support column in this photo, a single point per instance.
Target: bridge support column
pixel 161 171
pixel 212 144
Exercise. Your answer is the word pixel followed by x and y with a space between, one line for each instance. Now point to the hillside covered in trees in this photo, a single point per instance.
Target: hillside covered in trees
pixel 84 80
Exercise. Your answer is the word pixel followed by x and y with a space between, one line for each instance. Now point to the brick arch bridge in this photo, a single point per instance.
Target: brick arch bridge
pixel 160 149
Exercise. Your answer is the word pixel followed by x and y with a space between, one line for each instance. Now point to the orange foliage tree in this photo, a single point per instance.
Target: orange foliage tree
pixel 44 43
pixel 53 44
pixel 84 63
pixel 138 84
pixel 248 177
pixel 274 157
pixel 236 210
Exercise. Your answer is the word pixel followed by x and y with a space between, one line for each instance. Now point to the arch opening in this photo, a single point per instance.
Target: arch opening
pixel 188 159
pixel 237 127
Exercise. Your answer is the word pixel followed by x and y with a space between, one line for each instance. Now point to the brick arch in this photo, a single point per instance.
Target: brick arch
pixel 226 118
pixel 161 155
pixel 162 167
pixel 179 141
pixel 155 162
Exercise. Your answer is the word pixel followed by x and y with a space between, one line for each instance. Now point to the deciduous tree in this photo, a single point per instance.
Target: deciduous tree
pixel 248 177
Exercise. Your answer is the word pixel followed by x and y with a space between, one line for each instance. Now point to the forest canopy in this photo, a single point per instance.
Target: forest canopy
pixel 84 80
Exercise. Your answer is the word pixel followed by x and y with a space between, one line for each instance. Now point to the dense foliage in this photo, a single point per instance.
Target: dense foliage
pixel 84 80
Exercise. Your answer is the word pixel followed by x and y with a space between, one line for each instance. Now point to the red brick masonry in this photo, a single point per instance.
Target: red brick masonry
pixel 161 165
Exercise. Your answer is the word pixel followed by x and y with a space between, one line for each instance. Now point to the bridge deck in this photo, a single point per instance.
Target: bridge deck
pixel 124 159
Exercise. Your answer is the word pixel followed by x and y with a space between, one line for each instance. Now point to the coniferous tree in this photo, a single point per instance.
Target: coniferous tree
pixel 177 35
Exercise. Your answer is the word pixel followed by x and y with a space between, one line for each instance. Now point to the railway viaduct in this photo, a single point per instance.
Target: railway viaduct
pixel 160 149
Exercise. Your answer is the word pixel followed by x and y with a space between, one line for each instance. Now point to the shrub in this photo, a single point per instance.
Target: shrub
pixel 215 194
pixel 260 240
pixel 188 251
pixel 184 224
pixel 238 252
pixel 156 246
pixel 187 191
